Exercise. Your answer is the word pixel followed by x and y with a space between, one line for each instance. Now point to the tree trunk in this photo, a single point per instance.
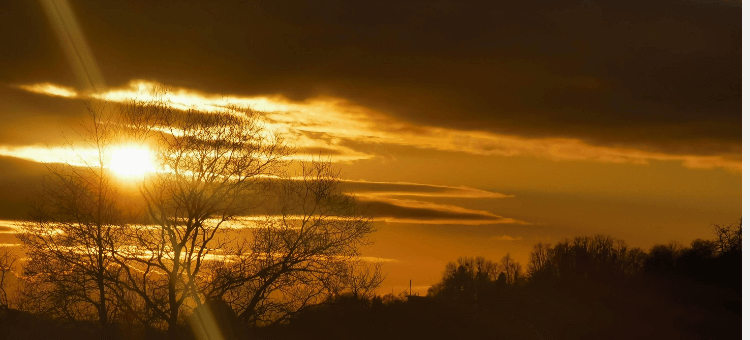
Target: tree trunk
pixel 109 330
pixel 174 307
pixel 172 331
pixel 102 303
pixel 173 311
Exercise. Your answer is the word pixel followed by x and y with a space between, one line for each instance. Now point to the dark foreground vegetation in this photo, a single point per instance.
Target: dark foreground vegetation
pixel 584 288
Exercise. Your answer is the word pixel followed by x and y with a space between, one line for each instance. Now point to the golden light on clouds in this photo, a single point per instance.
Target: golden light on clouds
pixel 79 156
pixel 8 227
pixel 398 210
pixel 375 189
pixel 125 161
pixel 50 90
pixel 332 126
pixel 507 238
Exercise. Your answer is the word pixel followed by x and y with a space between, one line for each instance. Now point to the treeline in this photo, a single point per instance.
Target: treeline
pixel 599 260
pixel 581 288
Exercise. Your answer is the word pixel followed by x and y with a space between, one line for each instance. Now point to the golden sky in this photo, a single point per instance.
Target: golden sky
pixel 478 137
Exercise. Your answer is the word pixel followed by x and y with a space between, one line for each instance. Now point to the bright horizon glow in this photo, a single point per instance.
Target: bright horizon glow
pixel 131 161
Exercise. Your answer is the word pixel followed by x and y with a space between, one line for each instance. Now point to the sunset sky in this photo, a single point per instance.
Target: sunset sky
pixel 468 128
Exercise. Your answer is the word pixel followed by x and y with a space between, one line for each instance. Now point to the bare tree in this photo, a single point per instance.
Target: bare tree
pixel 600 258
pixel 360 281
pixel 7 261
pixel 468 278
pixel 211 169
pixel 73 225
pixel 539 261
pixel 728 237
pixel 510 269
pixel 156 252
pixel 299 258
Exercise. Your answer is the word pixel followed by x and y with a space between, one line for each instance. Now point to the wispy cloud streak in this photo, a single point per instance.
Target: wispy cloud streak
pixel 333 126
pixel 420 212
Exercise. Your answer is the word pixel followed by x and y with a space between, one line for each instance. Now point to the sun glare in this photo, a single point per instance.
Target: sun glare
pixel 131 161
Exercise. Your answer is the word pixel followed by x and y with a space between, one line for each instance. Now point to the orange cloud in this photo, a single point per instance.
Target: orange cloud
pixel 327 124
pixel 419 212
pixel 8 227
pixel 50 90
pixel 372 190
pixel 507 238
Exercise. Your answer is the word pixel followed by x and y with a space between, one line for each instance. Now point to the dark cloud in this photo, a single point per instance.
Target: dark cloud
pixel 655 75
pixel 28 118
pixel 403 211
pixel 414 189
pixel 18 181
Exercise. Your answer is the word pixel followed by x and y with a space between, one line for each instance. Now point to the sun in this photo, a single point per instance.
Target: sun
pixel 131 161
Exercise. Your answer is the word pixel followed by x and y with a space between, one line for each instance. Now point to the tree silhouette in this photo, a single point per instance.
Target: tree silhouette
pixel 539 266
pixel 664 257
pixel 7 261
pixel 599 258
pixel 467 279
pixel 74 224
pixel 729 237
pixel 212 169
pixel 299 258
pixel 360 281
pixel 510 270
pixel 149 249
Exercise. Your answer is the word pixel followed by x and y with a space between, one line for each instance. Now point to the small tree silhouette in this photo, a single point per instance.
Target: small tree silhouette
pixel 598 258
pixel 729 237
pixel 467 279
pixel 8 260
pixel 300 258
pixel 510 270
pixel 74 224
